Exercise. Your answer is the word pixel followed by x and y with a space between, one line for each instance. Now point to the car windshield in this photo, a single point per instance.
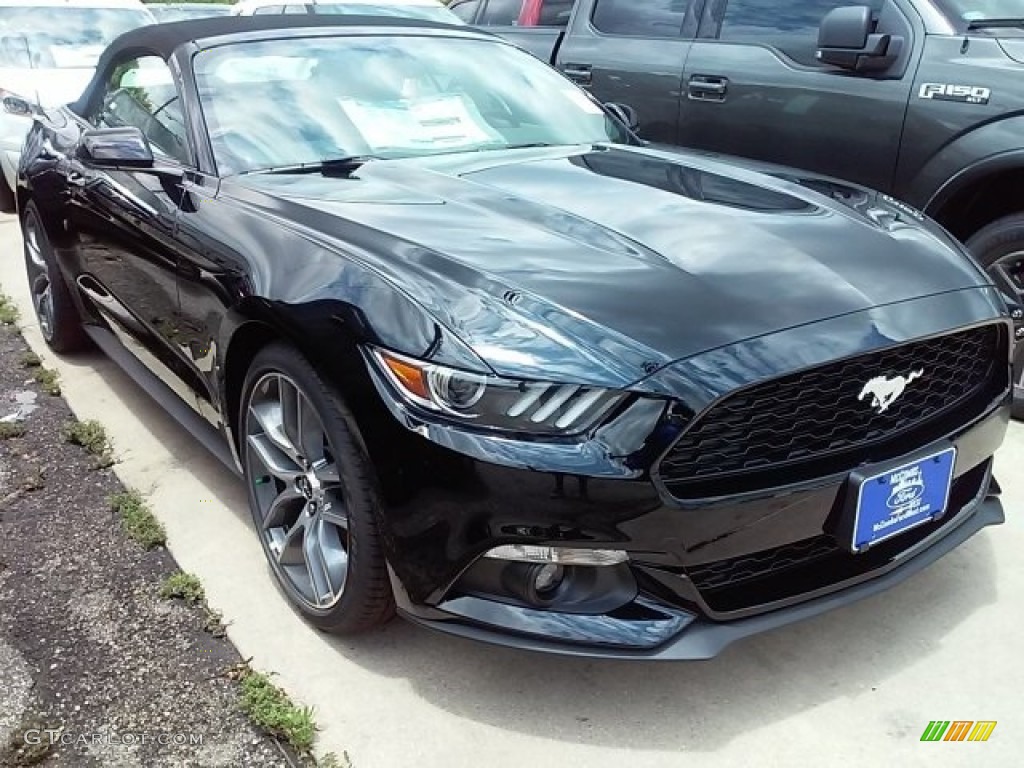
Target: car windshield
pixel 280 103
pixel 56 38
pixel 429 11
pixel 979 10
pixel 183 12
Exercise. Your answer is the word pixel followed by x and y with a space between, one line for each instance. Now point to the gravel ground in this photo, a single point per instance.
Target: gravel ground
pixel 86 643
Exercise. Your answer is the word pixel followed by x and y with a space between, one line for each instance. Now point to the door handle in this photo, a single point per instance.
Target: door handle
pixel 581 74
pixel 707 87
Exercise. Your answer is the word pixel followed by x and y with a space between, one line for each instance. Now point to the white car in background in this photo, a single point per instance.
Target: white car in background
pixel 431 10
pixel 48 51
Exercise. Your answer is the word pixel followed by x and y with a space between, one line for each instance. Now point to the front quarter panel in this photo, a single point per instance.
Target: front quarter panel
pixel 245 264
pixel 39 169
pixel 943 139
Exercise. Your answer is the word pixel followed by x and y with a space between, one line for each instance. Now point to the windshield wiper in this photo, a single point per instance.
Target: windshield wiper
pixel 331 166
pixel 995 23
pixel 532 145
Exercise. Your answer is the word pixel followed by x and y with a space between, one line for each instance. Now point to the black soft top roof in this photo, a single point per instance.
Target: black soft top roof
pixel 163 39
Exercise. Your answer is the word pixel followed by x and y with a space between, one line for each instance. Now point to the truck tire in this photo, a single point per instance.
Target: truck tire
pixel 999 248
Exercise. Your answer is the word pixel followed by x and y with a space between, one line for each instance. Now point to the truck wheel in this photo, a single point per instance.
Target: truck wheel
pixel 999 248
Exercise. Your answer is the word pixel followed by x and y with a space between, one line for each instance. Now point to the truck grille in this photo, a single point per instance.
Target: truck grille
pixel 812 423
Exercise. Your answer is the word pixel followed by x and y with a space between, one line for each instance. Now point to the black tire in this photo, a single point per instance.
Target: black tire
pixel 7 201
pixel 999 248
pixel 57 315
pixel 366 600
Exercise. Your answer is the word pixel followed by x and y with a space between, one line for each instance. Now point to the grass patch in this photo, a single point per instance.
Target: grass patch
pixel 17 752
pixel 187 587
pixel 182 586
pixel 331 760
pixel 10 429
pixel 30 360
pixel 138 521
pixel 8 311
pixel 91 436
pixel 48 379
pixel 270 708
pixel 213 623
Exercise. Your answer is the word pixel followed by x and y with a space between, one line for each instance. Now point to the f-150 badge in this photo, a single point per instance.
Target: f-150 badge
pixel 966 94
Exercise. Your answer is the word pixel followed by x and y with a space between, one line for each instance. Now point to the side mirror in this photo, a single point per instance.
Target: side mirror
pixel 124 147
pixel 846 39
pixel 625 114
pixel 15 105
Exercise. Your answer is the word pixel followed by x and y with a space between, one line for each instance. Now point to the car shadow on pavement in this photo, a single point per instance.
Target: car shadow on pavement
pixel 682 706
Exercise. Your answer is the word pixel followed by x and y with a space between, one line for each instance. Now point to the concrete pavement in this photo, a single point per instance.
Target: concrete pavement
pixel 855 687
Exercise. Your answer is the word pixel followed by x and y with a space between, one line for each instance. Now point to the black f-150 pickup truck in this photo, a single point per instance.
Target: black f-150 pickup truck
pixel 921 99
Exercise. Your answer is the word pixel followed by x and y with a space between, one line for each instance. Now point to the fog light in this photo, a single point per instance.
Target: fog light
pixel 529 553
pixel 548 578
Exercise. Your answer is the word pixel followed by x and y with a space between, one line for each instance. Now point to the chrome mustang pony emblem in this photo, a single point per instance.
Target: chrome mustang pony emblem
pixel 884 391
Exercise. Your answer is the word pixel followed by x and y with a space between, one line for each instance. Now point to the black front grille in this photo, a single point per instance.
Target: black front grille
pixel 785 430
pixel 758 565
pixel 780 573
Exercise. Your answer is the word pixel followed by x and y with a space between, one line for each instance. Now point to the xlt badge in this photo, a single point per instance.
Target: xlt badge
pixel 967 94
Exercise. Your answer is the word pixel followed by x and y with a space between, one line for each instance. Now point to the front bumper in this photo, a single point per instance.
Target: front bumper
pixel 702 572
pixel 669 614
pixel 697 637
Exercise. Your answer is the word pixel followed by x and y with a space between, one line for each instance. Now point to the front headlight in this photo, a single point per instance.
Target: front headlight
pixel 496 403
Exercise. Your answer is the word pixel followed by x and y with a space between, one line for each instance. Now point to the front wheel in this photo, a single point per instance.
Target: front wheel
pixel 313 496
pixel 56 313
pixel 999 248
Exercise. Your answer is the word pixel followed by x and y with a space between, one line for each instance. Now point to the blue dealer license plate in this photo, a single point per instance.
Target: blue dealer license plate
pixel 893 501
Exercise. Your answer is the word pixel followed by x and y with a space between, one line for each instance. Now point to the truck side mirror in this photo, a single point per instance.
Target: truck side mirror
pixel 846 38
pixel 625 114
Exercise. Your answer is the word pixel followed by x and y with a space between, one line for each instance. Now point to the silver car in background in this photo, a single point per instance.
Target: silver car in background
pixel 48 51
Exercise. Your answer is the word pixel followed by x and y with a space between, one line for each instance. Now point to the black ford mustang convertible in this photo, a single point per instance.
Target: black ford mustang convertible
pixel 483 357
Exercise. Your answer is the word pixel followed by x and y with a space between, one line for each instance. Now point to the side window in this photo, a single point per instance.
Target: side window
pixel 501 13
pixel 465 10
pixel 789 25
pixel 295 10
pixel 141 93
pixel 266 10
pixel 653 18
pixel 555 13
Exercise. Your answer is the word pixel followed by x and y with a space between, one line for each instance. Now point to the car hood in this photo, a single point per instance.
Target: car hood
pixel 49 87
pixel 627 257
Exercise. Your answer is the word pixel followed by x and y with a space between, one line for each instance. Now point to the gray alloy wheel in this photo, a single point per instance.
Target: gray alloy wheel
pixel 40 284
pixel 311 494
pixel 58 317
pixel 999 248
pixel 300 507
